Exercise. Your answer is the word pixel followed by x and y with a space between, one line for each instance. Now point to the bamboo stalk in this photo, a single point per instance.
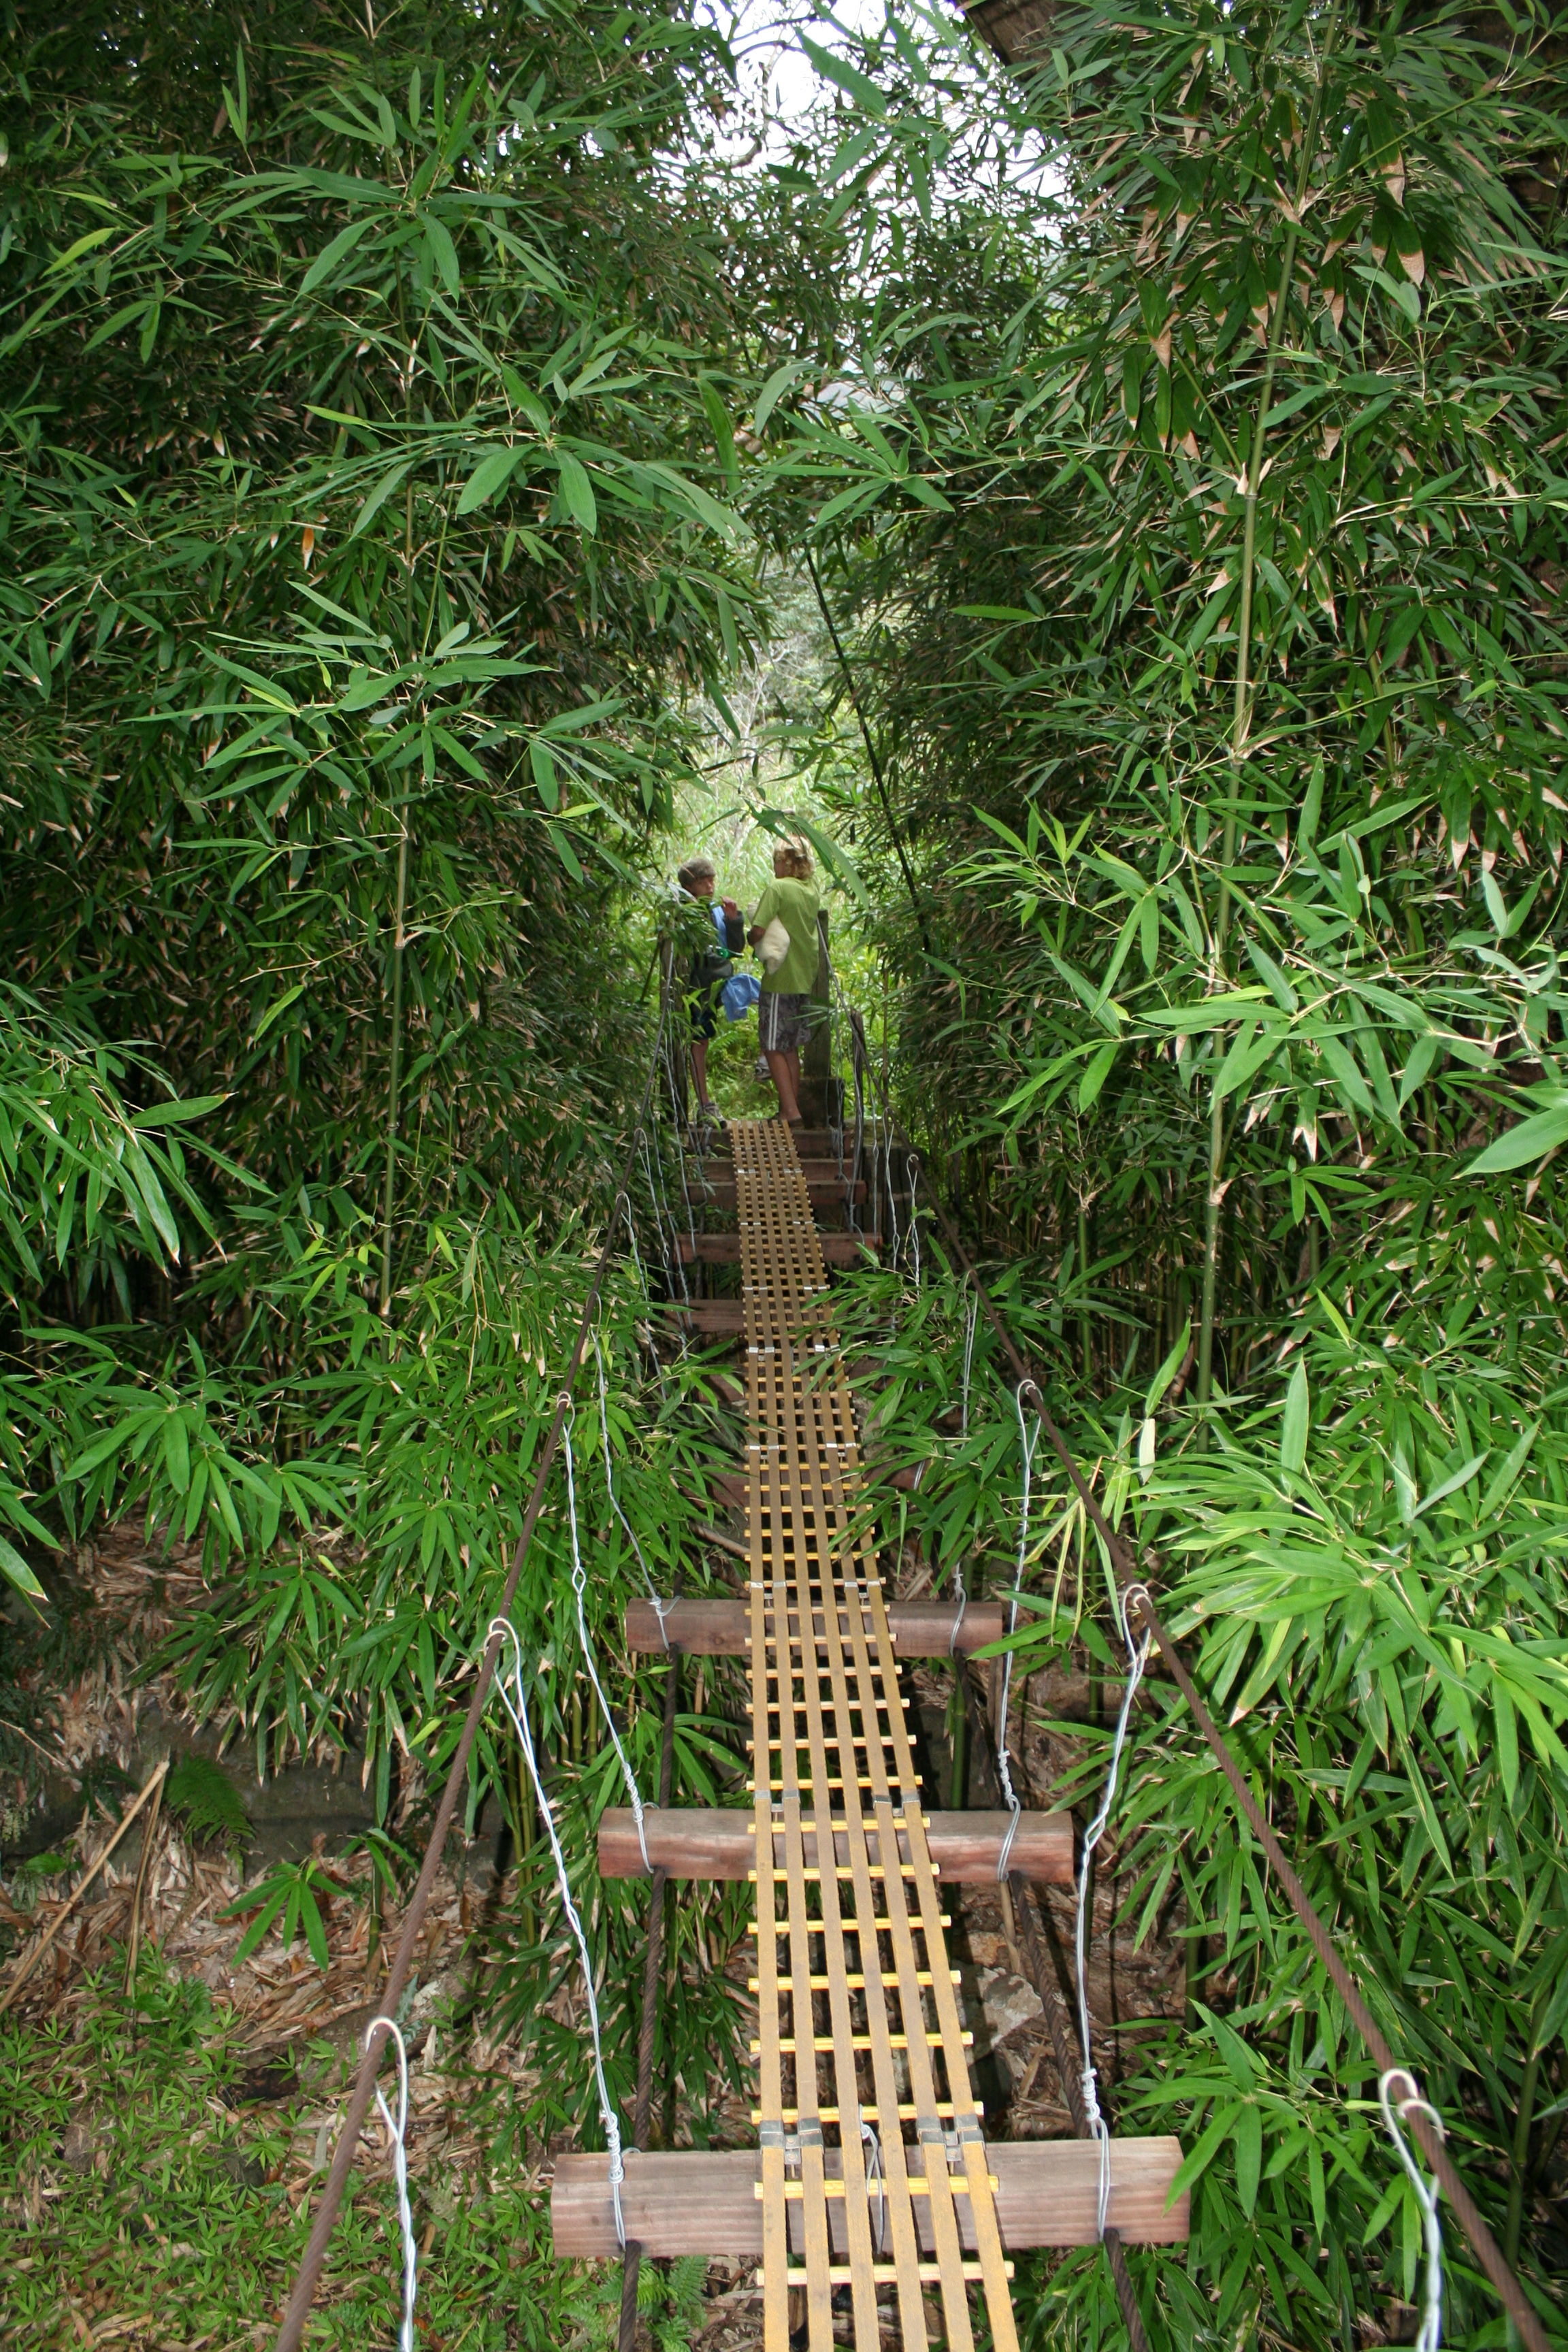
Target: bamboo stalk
pixel 1241 712
pixel 652 1964
pixel 1522 2124
pixel 45 1943
pixel 148 1839
pixel 393 1081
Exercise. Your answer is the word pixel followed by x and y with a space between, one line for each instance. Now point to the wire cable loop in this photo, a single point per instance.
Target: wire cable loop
pixel 1431 2333
pixel 518 1710
pixel 674 1266
pixel 914 1177
pixel 646 1295
pixel 874 2172
pixel 579 1587
pixel 1029 1438
pixel 398 2131
pixel 962 1604
pixel 970 1322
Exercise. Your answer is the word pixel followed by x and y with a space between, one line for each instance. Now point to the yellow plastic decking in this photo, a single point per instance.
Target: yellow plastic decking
pixel 859 2017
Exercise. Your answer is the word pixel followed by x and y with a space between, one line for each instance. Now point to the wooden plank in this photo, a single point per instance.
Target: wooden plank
pixel 713 1627
pixel 822 1169
pixel 706 1842
pixel 696 2201
pixel 709 1319
pixel 724 1249
pixel 826 1194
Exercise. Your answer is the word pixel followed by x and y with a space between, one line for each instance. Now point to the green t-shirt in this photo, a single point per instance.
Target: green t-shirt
pixel 795 905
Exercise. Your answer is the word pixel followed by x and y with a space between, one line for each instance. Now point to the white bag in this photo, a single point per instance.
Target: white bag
pixel 774 946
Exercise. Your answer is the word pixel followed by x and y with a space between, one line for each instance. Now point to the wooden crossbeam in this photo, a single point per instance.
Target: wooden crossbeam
pixel 703 1842
pixel 697 2201
pixel 824 1193
pixel 709 1319
pixel 858 2015
pixel 819 1169
pixel 724 1249
pixel 829 1744
pixel 716 1628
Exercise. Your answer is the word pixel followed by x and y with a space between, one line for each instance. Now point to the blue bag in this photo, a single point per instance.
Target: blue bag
pixel 739 993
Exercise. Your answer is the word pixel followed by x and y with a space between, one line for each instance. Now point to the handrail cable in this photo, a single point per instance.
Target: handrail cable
pixel 1137 1659
pixel 1124 1559
pixel 1042 1975
pixel 1027 1441
pixel 653 1963
pixel 292 2328
pixel 661 1607
pixel 579 1589
pixel 647 1294
pixel 503 1628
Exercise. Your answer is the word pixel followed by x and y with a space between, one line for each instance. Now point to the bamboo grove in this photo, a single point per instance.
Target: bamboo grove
pixel 410 423
pixel 1207 555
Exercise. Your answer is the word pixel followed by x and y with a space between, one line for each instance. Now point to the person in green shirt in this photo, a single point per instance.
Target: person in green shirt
pixel 783 1011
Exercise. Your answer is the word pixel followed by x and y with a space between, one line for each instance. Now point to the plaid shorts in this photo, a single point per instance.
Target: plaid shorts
pixel 782 1022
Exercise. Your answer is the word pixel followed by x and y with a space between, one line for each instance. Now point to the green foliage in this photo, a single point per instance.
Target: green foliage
pixel 200 1794
pixel 670 2299
pixel 370 537
pixel 371 543
pixel 292 1894
pixel 183 2205
pixel 1381 1635
pixel 1220 699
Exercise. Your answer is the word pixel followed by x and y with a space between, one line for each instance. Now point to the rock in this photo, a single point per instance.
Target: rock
pixel 245 2172
pixel 272 2077
pixel 997 2004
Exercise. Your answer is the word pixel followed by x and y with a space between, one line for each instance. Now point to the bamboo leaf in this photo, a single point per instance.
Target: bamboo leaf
pixel 1293 1429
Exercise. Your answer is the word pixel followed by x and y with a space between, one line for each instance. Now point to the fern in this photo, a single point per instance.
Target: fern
pixel 651 2289
pixel 671 2300
pixel 207 1802
pixel 687 2275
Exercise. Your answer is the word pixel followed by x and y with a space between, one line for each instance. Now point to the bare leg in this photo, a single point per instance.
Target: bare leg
pixel 785 1080
pixel 700 1070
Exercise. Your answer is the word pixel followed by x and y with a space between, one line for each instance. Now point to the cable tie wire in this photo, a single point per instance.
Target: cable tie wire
pixel 579 1587
pixel 1431 2333
pixel 1029 1438
pixel 397 2129
pixel 661 1608
pixel 1137 1658
pixel 518 1710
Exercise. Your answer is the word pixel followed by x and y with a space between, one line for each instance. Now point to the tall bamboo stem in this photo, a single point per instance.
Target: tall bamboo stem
pixel 1523 2120
pixel 396 1071
pixel 1241 711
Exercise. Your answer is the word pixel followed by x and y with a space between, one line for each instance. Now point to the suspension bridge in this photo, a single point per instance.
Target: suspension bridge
pixel 872 2175
pixel 874 2203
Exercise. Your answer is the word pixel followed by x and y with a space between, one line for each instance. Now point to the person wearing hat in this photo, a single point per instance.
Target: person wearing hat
pixel 782 929
pixel 711 968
